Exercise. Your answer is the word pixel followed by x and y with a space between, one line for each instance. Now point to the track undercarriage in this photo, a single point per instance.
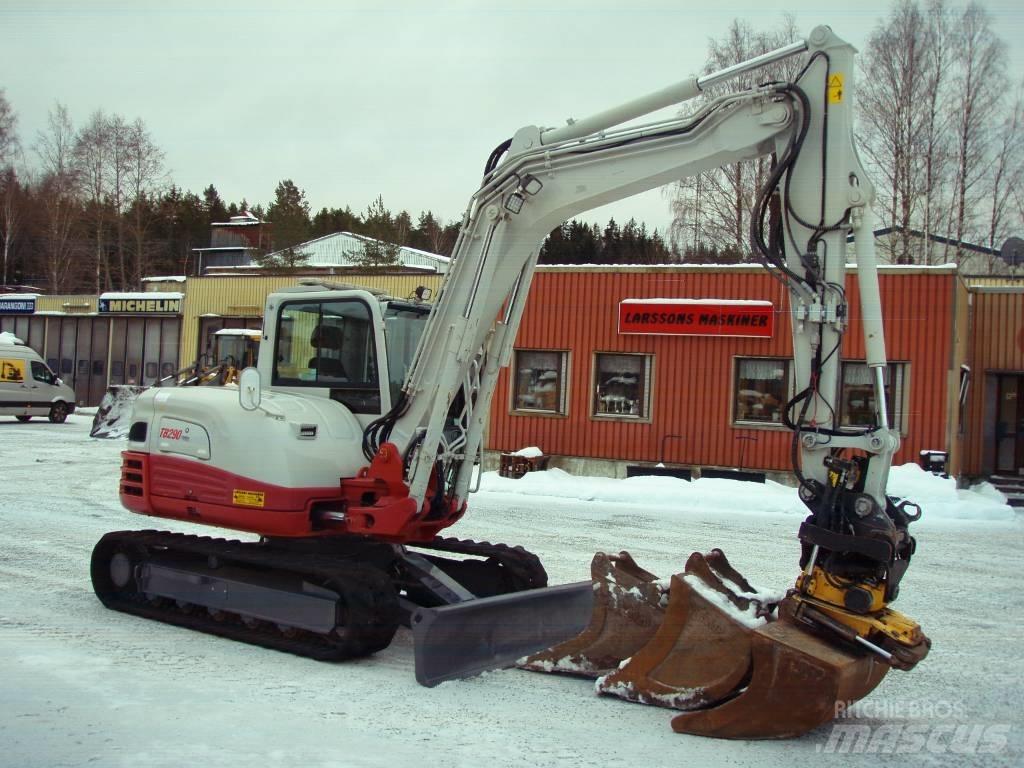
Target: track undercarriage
pixel 340 598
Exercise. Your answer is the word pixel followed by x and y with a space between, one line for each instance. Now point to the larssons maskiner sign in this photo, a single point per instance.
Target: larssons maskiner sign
pixel 697 317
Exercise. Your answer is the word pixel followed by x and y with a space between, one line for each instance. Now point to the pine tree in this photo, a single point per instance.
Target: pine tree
pixel 289 216
pixel 380 248
pixel 215 209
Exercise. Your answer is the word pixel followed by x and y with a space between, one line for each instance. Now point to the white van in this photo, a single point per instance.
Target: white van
pixel 28 387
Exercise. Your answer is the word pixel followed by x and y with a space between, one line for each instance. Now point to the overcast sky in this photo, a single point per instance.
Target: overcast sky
pixel 354 99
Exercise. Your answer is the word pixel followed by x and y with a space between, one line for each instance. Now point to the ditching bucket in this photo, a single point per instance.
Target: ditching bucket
pixel 628 609
pixel 797 683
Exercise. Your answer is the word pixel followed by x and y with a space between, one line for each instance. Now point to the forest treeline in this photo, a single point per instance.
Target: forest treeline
pixel 92 207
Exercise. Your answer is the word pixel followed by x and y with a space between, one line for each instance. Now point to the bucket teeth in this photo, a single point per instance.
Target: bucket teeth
pixel 699 655
pixel 713 649
pixel 628 608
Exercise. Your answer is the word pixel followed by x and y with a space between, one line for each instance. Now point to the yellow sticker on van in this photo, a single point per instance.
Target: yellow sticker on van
pixel 248 498
pixel 12 370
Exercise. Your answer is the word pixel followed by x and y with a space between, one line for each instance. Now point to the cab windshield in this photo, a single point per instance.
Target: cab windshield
pixel 403 329
pixel 329 344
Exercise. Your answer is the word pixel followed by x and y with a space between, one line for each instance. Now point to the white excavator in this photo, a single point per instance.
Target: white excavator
pixel 353 443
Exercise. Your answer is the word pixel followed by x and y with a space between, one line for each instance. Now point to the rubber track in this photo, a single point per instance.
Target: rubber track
pixel 523 564
pixel 367 593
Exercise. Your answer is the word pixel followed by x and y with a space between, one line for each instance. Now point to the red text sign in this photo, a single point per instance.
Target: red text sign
pixel 697 317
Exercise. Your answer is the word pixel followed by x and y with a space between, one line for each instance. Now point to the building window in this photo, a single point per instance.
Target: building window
pixel 857 398
pixel 762 389
pixel 539 383
pixel 622 385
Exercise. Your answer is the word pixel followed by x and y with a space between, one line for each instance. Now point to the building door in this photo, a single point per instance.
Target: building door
pixel 1010 424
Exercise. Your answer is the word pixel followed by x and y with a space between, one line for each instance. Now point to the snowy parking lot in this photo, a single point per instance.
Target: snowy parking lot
pixel 83 685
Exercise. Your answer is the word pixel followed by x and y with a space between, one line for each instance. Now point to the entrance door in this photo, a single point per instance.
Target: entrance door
pixel 1010 425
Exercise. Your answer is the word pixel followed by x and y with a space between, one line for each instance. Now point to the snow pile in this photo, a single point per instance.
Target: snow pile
pixel 670 493
pixel 937 496
pixel 533 452
pixel 6 337
pixel 940 499
pixel 113 417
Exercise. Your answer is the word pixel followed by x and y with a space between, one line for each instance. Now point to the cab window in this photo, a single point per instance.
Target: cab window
pixel 41 373
pixel 329 344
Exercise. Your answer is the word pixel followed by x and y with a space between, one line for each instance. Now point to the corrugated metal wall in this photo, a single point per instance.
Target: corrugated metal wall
pixel 245 297
pixel 72 304
pixel 997 346
pixel 692 386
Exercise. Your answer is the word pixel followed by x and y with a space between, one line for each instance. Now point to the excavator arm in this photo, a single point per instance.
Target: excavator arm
pixel 856 544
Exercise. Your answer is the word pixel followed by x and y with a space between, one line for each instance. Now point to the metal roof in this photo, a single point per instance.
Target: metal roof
pixel 339 249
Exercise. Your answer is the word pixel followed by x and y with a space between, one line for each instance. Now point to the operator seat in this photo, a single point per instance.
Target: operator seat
pixel 327 338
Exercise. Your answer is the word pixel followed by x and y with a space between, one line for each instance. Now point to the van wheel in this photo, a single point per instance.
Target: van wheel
pixel 23 419
pixel 58 412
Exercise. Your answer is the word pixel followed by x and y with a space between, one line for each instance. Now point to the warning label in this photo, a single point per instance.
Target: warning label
pixel 247 498
pixel 835 88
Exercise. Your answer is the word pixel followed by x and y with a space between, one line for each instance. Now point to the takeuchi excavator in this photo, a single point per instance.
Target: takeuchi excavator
pixel 352 446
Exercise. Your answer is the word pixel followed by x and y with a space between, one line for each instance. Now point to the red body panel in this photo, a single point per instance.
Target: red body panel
pixel 376 503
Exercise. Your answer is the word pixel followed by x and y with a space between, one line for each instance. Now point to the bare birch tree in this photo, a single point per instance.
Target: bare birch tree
pixel 118 183
pixel 981 78
pixel 10 212
pixel 937 121
pixel 57 191
pixel 145 176
pixel 94 155
pixel 895 103
pixel 1007 175
pixel 713 208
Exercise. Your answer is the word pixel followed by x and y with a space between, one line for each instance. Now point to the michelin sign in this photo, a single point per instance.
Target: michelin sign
pixel 139 303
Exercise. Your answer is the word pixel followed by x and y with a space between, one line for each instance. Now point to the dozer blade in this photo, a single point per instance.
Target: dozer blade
pixel 796 683
pixel 467 638
pixel 628 609
pixel 698 656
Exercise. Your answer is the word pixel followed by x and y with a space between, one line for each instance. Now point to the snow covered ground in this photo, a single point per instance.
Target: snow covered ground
pixel 83 685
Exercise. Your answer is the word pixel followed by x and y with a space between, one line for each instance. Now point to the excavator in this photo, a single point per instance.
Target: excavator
pixel 232 349
pixel 354 442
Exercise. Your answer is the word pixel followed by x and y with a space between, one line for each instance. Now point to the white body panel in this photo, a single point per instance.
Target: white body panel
pixel 270 445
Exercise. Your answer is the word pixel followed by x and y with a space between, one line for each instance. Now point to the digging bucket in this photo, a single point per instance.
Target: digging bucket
pixel 627 612
pixel 699 655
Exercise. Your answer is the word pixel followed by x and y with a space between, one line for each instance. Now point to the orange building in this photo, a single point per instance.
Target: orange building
pixel 597 394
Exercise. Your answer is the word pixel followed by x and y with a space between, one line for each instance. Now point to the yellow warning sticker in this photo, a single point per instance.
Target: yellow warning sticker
pixel 835 88
pixel 248 498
